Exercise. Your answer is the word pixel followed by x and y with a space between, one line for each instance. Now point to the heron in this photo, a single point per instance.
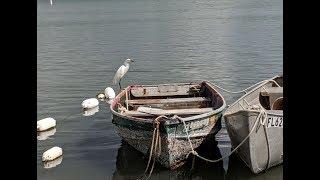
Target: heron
pixel 122 71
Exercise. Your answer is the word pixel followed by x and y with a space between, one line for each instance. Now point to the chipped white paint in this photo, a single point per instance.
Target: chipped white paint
pixel 45 124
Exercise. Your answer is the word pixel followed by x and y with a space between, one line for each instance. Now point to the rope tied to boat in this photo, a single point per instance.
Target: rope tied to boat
pixel 262 121
pixel 245 90
pixel 155 149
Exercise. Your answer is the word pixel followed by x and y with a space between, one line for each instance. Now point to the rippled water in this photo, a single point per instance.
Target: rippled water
pixel 234 43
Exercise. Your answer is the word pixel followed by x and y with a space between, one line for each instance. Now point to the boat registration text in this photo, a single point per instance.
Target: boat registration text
pixel 275 122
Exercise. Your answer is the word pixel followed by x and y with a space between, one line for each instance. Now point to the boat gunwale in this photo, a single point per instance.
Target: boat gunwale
pixel 279 113
pixel 150 120
pixel 215 130
pixel 163 84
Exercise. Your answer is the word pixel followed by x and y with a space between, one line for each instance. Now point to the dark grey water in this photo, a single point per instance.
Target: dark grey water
pixel 234 43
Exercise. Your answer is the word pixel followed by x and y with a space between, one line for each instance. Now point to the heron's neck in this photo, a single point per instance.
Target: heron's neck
pixel 126 64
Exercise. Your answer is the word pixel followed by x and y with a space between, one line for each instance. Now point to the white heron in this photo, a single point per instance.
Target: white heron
pixel 122 71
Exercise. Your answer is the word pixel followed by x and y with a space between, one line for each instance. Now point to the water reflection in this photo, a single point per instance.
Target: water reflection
pixel 90 112
pixel 237 170
pixel 43 135
pixel 109 101
pixel 53 163
pixel 131 165
pixel 80 45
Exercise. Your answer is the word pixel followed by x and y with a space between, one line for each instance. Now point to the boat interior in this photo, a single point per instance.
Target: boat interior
pixel 269 95
pixel 183 99
pixel 271 98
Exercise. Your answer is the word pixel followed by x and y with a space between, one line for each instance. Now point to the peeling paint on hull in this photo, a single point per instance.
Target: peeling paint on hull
pixel 191 101
pixel 174 144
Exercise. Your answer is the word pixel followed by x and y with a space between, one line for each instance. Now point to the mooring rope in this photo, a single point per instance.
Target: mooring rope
pixel 151 149
pixel 155 149
pixel 156 139
pixel 245 90
pixel 262 112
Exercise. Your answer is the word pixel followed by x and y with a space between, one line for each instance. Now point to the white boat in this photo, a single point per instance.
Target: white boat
pixel 257 119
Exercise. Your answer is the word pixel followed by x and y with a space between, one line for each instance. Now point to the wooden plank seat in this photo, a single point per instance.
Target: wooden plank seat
pixel 163 90
pixel 272 91
pixel 146 111
pixel 168 101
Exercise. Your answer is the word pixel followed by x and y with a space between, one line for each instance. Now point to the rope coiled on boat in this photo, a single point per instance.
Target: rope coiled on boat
pixel 262 121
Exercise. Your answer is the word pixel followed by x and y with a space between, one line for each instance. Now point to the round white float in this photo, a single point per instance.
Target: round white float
pixel 43 135
pixel 109 93
pixel 52 154
pixel 90 103
pixel 45 124
pixel 101 96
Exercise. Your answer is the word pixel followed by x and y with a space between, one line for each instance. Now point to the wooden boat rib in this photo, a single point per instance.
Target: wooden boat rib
pixel 136 107
pixel 264 148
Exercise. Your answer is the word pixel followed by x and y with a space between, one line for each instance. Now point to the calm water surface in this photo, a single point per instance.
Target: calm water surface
pixel 234 43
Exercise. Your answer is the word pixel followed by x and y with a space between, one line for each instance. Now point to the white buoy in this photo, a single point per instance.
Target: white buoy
pixel 52 154
pixel 101 96
pixel 43 135
pixel 109 93
pixel 45 124
pixel 90 103
pixel 53 163
pixel 90 112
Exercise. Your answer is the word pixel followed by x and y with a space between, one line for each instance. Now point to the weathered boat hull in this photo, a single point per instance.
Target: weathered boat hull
pixel 131 164
pixel 264 148
pixel 174 144
pixel 137 109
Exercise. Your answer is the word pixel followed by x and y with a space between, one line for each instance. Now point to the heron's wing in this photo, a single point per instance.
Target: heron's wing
pixel 119 74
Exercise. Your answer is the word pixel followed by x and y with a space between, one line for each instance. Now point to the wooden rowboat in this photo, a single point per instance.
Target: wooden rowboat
pixel 259 112
pixel 136 107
